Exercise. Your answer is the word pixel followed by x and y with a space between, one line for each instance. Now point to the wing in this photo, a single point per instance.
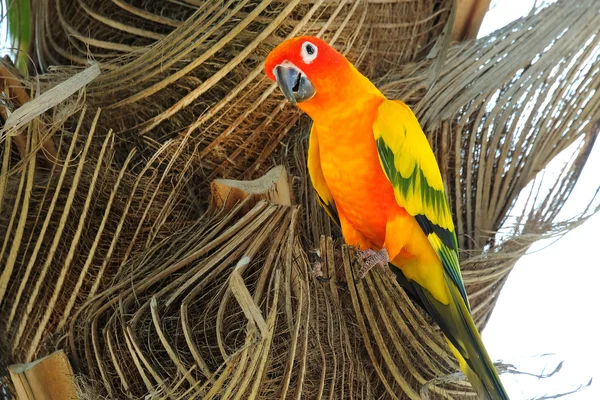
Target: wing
pixel 324 196
pixel 411 167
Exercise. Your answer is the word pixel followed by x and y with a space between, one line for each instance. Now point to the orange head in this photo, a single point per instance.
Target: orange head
pixel 313 75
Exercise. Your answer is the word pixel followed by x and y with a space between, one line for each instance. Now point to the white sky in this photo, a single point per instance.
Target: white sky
pixel 549 303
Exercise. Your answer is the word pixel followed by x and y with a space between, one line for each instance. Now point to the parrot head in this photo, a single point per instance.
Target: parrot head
pixel 309 72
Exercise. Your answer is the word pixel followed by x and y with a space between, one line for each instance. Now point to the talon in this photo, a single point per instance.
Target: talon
pixel 314 256
pixel 372 258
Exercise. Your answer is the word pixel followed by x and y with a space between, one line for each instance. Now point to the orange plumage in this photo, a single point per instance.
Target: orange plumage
pixel 374 170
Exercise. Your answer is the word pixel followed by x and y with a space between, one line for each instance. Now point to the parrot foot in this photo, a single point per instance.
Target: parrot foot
pixel 372 258
pixel 316 261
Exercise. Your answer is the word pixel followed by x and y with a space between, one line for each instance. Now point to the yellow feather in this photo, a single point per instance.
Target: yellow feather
pixel 413 140
pixel 314 168
pixel 404 165
pixel 413 160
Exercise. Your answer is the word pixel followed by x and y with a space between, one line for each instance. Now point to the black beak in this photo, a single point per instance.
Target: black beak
pixel 293 83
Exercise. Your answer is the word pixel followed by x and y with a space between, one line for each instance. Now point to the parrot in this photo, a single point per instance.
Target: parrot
pixel 376 175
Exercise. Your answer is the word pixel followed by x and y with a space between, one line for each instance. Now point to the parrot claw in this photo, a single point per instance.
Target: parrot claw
pixel 372 258
pixel 317 264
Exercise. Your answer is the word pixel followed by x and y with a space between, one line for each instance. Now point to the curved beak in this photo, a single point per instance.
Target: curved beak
pixel 293 83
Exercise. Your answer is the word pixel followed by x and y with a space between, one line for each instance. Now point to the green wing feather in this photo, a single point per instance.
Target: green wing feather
pixel 410 165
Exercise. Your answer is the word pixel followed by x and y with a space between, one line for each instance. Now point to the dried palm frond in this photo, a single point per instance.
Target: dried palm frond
pixel 198 76
pixel 500 111
pixel 394 30
pixel 68 229
pixel 156 298
pixel 227 308
pixel 157 349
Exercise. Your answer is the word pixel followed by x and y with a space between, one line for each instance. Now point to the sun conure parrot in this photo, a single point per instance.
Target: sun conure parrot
pixel 375 173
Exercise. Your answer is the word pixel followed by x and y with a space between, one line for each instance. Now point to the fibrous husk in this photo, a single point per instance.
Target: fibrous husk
pixel 165 320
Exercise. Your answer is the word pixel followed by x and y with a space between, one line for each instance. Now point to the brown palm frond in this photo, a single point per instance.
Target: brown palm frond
pixel 393 339
pixel 500 111
pixel 202 82
pixel 68 229
pixel 151 296
pixel 179 324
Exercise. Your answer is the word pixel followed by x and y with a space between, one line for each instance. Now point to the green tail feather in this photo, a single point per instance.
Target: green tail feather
pixel 465 342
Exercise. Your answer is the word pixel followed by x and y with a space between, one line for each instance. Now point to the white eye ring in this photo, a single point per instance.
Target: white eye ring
pixel 309 52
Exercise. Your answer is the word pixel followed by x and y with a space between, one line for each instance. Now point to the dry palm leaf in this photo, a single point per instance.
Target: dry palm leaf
pixel 67 229
pixel 178 326
pixel 500 111
pixel 148 339
pixel 193 71
pixel 168 287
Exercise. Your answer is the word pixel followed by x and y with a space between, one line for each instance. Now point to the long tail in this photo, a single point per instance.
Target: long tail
pixel 461 333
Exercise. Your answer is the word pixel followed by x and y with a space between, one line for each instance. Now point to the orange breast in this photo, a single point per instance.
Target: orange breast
pixel 354 175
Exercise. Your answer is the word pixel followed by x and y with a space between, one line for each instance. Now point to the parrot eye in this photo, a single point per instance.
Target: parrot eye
pixel 309 52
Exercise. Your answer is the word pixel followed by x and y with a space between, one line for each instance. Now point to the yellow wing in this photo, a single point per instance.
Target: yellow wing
pixel 316 176
pixel 410 166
